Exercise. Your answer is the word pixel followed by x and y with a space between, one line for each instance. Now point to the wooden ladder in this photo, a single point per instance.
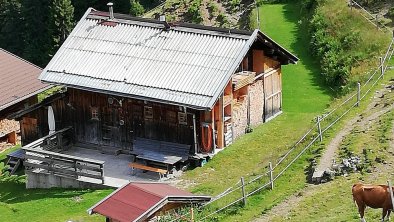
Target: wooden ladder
pixel 13 164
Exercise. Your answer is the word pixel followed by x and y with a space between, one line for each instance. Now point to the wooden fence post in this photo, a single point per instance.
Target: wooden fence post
pixel 243 191
pixel 319 129
pixel 271 176
pixel 391 193
pixel 191 214
pixel 358 93
pixel 381 66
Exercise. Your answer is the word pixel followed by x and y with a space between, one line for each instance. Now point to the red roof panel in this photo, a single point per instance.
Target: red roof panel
pixel 133 200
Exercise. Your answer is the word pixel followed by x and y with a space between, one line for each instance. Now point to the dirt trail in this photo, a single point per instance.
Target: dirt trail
pixel 375 109
pixel 358 121
pixel 284 208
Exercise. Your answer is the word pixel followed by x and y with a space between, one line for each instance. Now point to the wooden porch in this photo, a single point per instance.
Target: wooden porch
pixel 56 155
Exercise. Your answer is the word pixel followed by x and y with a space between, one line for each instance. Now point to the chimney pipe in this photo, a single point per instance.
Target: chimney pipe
pixel 111 10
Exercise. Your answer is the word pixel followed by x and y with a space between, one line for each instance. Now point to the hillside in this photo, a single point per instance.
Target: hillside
pixel 227 14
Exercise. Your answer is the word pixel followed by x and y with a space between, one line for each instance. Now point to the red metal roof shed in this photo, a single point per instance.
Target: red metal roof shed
pixel 140 201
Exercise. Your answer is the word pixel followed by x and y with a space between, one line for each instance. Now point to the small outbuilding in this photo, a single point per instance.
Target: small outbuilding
pixel 142 201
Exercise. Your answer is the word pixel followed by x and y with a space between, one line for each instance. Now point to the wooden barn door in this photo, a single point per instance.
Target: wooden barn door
pixel 272 95
pixel 111 127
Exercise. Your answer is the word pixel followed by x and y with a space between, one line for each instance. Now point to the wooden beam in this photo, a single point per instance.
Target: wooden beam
pixel 213 130
pixel 220 123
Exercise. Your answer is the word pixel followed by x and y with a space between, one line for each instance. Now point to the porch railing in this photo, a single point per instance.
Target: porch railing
pixel 61 139
pixel 39 159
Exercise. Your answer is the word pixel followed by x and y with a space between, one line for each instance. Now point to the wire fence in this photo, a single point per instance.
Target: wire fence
pixel 237 195
pixel 373 19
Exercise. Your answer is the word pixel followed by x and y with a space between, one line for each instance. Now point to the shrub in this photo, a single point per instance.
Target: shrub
pixel 213 8
pixel 223 21
pixel 136 9
pixel 335 64
pixel 194 11
pixel 390 13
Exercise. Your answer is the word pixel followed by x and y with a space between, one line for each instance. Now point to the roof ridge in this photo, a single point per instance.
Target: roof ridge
pixel 24 60
pixel 173 25
pixel 148 191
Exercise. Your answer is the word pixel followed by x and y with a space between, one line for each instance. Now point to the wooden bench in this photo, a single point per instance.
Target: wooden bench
pixel 161 172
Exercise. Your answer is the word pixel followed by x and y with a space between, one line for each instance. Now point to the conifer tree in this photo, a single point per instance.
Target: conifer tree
pixel 61 23
pixel 36 36
pixel 11 26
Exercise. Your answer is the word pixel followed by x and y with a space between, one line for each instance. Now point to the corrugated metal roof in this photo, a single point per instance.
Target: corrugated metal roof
pixel 135 200
pixel 18 79
pixel 141 58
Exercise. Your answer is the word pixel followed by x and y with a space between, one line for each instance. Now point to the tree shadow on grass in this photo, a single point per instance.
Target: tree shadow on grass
pixel 13 190
pixel 292 12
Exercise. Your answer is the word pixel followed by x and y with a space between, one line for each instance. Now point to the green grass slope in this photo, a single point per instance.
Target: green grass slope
pixel 20 204
pixel 303 99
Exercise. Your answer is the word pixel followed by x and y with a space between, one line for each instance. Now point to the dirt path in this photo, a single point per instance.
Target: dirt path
pixel 374 110
pixel 372 115
pixel 284 208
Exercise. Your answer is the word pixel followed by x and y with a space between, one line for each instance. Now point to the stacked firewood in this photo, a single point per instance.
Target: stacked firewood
pixel 8 126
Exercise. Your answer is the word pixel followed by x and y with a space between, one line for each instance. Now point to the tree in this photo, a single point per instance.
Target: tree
pixel 61 23
pixel 120 6
pixel 11 26
pixel 136 9
pixel 36 36
pixel 80 7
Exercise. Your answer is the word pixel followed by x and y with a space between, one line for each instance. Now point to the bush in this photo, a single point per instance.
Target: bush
pixel 335 63
pixel 213 8
pixel 223 21
pixel 194 11
pixel 235 4
pixel 136 9
pixel 390 13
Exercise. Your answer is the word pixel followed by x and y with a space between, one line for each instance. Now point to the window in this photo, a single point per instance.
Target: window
pixel 148 112
pixel 95 114
pixel 182 118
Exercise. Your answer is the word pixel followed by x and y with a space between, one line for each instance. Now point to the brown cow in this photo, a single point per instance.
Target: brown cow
pixel 374 196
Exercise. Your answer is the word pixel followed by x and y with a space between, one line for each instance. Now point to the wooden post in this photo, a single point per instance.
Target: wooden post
pixel 271 176
pixel 319 128
pixel 391 193
pixel 243 191
pixel 381 66
pixel 12 138
pixel 351 5
pixel 220 124
pixel 191 214
pixel 377 22
pixel 195 134
pixel 358 93
pixel 213 130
